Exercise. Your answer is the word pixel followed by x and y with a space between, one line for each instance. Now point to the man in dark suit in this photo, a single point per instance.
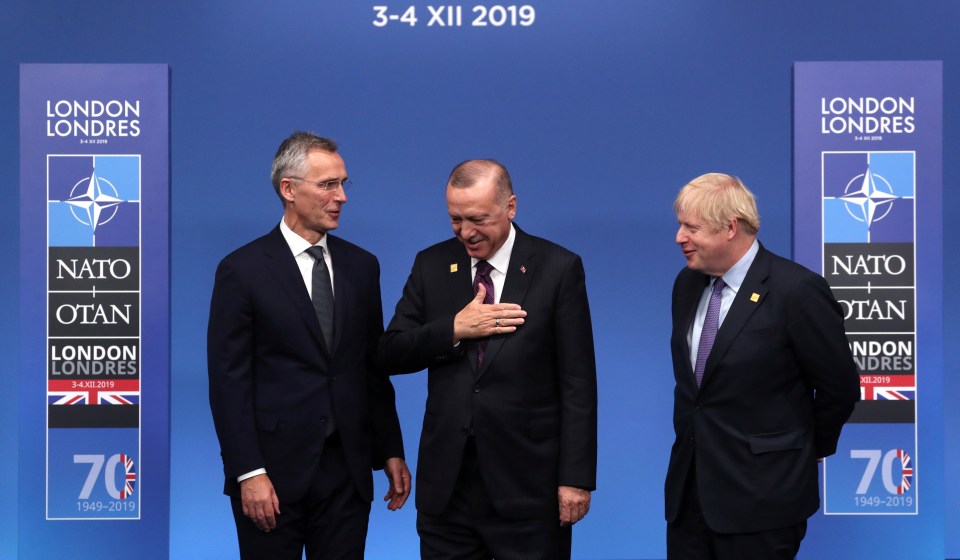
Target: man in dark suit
pixel 300 409
pixel 764 382
pixel 508 449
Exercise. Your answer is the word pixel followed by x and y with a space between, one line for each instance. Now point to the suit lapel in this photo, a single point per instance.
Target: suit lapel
pixel 282 265
pixel 459 276
pixel 343 289
pixel 687 307
pixel 744 306
pixel 520 273
pixel 455 266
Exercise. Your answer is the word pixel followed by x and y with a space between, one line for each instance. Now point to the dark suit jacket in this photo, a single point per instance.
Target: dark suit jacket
pixel 778 386
pixel 272 378
pixel 532 407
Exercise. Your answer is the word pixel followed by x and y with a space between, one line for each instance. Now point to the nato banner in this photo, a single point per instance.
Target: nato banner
pixel 94 231
pixel 868 216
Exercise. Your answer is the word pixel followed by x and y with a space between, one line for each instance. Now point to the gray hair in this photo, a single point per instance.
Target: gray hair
pixel 291 156
pixel 467 173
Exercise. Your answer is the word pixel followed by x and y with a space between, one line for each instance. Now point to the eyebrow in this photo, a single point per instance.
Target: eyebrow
pixel 470 216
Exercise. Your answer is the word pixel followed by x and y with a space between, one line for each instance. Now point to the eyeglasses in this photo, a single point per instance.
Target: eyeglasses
pixel 327 185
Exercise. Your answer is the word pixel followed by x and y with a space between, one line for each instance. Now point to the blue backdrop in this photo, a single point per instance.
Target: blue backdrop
pixel 601 110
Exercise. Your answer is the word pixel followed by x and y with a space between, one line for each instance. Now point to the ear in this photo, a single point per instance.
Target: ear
pixel 733 228
pixel 512 206
pixel 287 192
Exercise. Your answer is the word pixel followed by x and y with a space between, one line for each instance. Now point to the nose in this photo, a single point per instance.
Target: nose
pixel 340 195
pixel 681 237
pixel 465 231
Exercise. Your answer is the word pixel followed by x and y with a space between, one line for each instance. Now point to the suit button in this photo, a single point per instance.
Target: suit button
pixel 476 388
pixel 692 438
pixel 323 419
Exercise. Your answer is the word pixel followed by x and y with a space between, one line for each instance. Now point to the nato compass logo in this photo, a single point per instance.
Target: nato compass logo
pixel 868 197
pixel 867 202
pixel 93 201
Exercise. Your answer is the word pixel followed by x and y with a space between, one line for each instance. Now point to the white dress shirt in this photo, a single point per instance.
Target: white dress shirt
pixel 733 279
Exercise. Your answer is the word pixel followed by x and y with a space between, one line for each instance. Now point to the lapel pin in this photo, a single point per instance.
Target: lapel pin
pixel 523 269
pixel 754 297
pixel 453 267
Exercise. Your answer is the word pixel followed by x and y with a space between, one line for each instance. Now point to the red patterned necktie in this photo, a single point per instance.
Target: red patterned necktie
pixel 483 277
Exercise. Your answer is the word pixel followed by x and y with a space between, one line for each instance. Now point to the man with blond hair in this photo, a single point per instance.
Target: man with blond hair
pixel 764 383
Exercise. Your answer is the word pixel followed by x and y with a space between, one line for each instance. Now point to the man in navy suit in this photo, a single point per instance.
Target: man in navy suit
pixel 301 411
pixel 508 449
pixel 764 383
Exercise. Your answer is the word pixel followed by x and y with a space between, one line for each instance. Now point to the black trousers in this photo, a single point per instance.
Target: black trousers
pixel 329 522
pixel 471 529
pixel 690 538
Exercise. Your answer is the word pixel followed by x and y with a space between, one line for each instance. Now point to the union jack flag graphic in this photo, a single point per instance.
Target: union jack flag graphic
pixel 906 471
pixel 895 393
pixel 888 387
pixel 129 479
pixel 70 392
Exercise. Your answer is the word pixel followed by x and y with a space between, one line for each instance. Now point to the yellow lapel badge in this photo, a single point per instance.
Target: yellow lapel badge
pixel 754 297
pixel 453 267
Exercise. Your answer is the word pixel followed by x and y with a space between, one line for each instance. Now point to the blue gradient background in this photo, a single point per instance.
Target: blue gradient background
pixel 601 111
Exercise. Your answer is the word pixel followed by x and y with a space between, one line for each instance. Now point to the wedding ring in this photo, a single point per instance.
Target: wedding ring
pixel 498 322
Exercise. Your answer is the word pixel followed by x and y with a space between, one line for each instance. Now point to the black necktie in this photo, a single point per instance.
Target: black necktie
pixel 322 295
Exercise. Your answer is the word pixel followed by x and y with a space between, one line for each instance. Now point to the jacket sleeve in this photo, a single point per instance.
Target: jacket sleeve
pixel 578 381
pixel 385 425
pixel 414 340
pixel 230 371
pixel 815 324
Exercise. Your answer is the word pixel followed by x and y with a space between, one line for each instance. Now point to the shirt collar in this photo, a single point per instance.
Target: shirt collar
pixel 298 244
pixel 500 261
pixel 735 276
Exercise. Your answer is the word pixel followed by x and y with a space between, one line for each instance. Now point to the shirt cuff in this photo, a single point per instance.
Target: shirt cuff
pixel 250 474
